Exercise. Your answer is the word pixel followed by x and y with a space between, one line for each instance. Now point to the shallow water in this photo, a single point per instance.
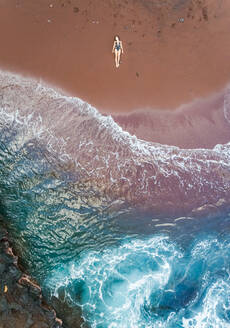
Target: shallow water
pixel 132 233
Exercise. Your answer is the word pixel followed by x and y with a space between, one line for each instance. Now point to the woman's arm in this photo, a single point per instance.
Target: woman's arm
pixel 121 47
pixel 113 47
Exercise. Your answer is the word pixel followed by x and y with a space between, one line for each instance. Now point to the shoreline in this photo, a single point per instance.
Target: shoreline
pixel 201 124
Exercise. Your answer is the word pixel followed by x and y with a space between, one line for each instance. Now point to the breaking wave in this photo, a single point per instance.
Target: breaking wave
pixel 110 224
pixel 150 283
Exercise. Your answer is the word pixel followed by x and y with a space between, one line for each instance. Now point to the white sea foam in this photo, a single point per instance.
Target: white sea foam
pixel 117 281
pixel 213 311
pixel 150 283
pixel 107 155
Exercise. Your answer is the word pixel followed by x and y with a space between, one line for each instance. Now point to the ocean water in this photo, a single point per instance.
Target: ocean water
pixel 126 233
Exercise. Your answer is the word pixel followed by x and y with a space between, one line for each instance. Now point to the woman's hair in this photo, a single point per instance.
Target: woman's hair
pixel 116 36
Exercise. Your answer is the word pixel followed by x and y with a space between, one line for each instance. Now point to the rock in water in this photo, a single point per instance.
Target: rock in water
pixel 21 301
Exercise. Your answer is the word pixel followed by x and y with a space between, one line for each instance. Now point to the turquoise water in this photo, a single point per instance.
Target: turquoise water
pixel 68 194
pixel 151 282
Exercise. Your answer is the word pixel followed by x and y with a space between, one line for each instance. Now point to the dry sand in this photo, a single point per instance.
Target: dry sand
pixel 175 50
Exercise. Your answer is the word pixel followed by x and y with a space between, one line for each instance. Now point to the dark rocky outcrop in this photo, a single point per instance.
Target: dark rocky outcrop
pixel 21 301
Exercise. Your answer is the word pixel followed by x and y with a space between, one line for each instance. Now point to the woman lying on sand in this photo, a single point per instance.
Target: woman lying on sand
pixel 117 49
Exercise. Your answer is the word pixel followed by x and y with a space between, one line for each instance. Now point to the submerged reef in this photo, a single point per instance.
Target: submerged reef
pixel 21 301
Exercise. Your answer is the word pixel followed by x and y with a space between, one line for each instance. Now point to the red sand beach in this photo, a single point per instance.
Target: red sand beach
pixel 174 50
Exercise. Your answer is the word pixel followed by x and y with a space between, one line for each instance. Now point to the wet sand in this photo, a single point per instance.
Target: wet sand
pixel 201 124
pixel 175 50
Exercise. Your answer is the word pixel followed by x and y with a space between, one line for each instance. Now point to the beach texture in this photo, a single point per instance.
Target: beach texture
pixel 174 50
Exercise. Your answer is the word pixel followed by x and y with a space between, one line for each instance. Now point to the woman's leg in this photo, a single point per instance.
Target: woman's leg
pixel 116 57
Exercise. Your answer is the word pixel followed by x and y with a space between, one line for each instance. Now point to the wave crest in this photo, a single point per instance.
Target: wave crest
pixel 110 163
